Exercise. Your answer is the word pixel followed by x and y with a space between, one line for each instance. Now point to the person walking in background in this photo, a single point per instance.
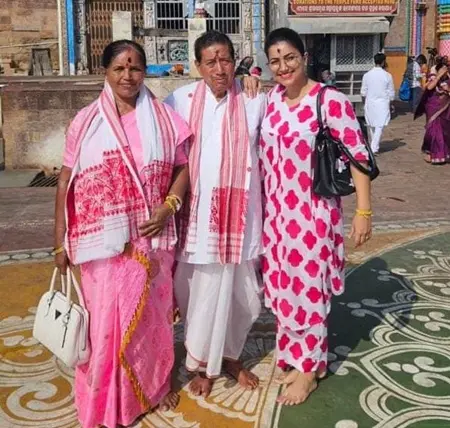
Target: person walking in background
pixel 416 81
pixel 378 93
pixel 327 77
pixel 435 105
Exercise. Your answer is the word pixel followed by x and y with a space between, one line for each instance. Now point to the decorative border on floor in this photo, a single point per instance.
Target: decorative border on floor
pixel 391 226
pixel 410 224
pixel 26 256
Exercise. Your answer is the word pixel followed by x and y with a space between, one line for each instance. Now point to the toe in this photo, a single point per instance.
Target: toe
pixel 281 399
pixel 173 401
pixel 289 378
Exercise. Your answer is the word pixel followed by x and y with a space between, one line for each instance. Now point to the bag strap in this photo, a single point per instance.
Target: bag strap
pixel 71 280
pixel 53 282
pixel 319 105
pixel 324 130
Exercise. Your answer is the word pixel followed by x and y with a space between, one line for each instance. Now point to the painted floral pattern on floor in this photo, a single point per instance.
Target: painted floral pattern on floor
pixel 389 358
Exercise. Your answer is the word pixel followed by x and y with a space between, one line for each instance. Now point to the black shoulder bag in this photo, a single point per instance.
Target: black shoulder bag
pixel 332 176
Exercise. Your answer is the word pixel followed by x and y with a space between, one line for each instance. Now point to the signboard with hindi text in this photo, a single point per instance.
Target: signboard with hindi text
pixel 302 8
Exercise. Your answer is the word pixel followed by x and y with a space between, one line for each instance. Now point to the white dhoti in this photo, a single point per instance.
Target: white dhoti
pixel 218 304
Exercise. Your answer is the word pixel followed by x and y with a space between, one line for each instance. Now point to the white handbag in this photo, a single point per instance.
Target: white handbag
pixel 62 325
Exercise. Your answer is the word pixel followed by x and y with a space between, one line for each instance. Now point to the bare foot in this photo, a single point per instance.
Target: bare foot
pixel 287 377
pixel 201 385
pixel 427 158
pixel 299 389
pixel 169 402
pixel 245 378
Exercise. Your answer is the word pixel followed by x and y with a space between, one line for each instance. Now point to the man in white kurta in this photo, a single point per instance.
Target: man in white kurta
pixel 218 302
pixel 378 91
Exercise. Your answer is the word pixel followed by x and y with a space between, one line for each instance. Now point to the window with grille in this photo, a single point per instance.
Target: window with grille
pixel 225 16
pixel 352 56
pixel 171 14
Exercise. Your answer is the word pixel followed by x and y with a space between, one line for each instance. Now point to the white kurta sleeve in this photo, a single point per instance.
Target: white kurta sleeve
pixel 364 86
pixel 391 88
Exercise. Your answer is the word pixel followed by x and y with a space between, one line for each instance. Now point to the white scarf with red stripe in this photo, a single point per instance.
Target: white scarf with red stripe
pixel 108 198
pixel 229 202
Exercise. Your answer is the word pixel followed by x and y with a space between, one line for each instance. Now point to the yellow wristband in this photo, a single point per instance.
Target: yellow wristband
pixel 58 250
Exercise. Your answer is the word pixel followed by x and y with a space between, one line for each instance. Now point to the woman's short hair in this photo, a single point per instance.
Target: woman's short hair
pixel 210 38
pixel 284 35
pixel 116 48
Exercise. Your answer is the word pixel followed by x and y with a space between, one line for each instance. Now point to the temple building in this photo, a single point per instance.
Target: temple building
pixel 161 26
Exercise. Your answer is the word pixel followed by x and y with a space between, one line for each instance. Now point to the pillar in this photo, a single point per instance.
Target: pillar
pixel 81 36
pixel 70 17
pixel 196 27
pixel 444 27
pixel 150 23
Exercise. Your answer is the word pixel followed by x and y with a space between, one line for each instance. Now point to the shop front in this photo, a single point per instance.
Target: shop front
pixel 341 36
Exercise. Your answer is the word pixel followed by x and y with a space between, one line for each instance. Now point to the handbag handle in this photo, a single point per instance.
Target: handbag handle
pixel 323 129
pixel 71 280
pixel 53 281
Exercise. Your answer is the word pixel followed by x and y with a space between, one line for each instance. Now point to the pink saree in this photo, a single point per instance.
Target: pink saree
pixel 129 298
pixel 128 294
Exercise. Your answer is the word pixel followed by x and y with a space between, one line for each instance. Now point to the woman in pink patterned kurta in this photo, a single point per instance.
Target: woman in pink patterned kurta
pixel 303 233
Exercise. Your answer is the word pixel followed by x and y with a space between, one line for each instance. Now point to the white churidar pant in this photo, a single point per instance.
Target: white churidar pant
pixel 375 133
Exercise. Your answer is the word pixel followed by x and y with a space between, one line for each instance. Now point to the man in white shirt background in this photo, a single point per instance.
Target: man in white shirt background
pixel 216 283
pixel 416 82
pixel 378 93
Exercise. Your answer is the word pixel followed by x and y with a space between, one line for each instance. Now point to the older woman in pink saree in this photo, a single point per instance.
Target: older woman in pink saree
pixel 124 176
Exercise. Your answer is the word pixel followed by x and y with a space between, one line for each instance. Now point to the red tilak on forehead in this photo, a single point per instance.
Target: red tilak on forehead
pixel 129 60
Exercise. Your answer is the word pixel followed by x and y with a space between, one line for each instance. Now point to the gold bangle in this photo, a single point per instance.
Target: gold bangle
pixel 174 202
pixel 172 195
pixel 57 251
pixel 171 206
pixel 364 213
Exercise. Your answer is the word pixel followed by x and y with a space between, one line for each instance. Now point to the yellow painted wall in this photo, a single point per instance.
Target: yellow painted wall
pixel 397 67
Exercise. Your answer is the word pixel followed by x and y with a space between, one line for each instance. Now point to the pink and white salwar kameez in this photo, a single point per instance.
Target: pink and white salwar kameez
pixel 303 265
pixel 216 284
pixel 126 280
